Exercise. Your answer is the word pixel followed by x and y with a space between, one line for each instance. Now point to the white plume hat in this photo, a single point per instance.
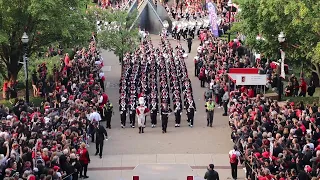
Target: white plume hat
pixel 141 101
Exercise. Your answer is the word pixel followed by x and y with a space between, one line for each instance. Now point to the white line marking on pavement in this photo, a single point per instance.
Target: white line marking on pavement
pixel 112 85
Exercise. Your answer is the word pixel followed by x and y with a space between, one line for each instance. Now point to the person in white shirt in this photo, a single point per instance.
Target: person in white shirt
pixel 225 100
pixel 234 155
pixel 94 116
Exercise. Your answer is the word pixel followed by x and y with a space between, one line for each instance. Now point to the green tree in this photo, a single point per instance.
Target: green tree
pixel 118 36
pixel 45 22
pixel 299 20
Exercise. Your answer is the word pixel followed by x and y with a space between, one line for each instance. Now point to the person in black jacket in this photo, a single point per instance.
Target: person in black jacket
pixel 101 134
pixel 76 166
pixel 211 174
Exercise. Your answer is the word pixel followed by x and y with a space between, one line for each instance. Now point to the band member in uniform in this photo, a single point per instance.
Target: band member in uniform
pixel 189 39
pixel 154 110
pixel 123 112
pixel 132 112
pixel 165 112
pixel 191 110
pixel 141 111
pixel 177 111
pixel 108 108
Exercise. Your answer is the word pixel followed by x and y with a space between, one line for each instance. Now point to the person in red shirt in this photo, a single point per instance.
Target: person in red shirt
pixel 5 90
pixel 303 88
pixel 251 93
pixel 84 159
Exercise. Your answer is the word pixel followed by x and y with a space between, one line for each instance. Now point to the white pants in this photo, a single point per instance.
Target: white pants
pixel 141 121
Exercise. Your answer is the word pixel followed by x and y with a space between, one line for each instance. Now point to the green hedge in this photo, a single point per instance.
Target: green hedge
pixel 305 100
pixel 33 64
pixel 35 100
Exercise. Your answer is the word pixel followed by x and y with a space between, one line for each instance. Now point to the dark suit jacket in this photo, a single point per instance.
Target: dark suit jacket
pixel 101 133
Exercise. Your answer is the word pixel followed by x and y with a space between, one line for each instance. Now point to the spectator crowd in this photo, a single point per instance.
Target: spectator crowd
pixel 272 140
pixel 49 142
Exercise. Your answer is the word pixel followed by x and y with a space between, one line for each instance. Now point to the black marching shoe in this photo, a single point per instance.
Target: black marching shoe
pixel 140 130
pixel 96 153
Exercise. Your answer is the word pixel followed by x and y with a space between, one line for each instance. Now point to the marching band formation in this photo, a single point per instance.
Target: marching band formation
pixel 187 23
pixel 155 81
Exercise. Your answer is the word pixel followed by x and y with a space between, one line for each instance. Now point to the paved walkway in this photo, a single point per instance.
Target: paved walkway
pixel 197 146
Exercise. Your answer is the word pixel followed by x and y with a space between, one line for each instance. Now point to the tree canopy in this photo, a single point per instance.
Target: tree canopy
pixel 118 36
pixel 45 22
pixel 299 20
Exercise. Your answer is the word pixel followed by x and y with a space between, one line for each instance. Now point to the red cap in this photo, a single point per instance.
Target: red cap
pixel 257 154
pixel 265 154
pixel 307 168
pixel 56 168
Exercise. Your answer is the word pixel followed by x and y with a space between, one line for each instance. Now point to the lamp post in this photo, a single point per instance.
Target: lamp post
pixel 25 40
pixel 230 8
pixel 281 39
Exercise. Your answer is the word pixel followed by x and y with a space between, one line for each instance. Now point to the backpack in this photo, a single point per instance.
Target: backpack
pixel 201 75
pixel 233 158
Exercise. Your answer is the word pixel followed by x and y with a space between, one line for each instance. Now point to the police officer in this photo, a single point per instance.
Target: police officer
pixel 210 111
pixel 165 112
pixel 177 111
pixel 154 110
pixel 108 113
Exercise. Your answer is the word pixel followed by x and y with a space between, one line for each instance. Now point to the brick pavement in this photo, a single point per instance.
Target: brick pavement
pixel 197 146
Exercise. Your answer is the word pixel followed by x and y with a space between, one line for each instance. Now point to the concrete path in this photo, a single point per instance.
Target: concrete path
pixel 197 146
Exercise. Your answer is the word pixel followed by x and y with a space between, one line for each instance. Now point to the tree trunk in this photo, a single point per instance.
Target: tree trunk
pixel 316 70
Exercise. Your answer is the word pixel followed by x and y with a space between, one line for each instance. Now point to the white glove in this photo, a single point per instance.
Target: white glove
pixel 195 112
pixel 121 112
pixel 107 139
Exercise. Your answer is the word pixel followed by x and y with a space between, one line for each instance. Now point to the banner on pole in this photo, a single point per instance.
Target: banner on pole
pixel 213 18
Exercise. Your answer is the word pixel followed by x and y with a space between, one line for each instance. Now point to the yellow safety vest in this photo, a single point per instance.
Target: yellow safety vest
pixel 210 107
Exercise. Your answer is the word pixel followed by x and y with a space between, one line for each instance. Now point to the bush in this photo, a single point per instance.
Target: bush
pixel 50 62
pixel 35 100
pixel 305 100
pixel 33 65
